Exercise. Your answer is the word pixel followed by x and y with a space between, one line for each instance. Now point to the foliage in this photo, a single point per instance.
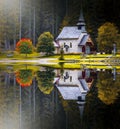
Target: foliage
pixel 45 80
pixel 24 46
pixel 97 112
pixel 24 77
pixel 108 89
pixel 95 13
pixel 107 36
pixel 45 43
pixel 50 15
pixel 71 108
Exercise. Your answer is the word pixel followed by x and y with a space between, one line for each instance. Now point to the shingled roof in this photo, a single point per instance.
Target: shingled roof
pixel 83 40
pixel 69 33
pixel 69 93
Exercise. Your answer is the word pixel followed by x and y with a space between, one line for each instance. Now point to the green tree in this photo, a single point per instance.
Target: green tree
pixel 24 46
pixel 45 80
pixel 107 36
pixel 45 43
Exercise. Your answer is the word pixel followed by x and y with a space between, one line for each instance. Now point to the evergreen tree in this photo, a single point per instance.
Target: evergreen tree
pixel 45 43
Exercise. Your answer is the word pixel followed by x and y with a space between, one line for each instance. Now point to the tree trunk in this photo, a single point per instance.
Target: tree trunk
pixel 34 25
pixel 5 44
pixel 8 42
pixel 14 43
pixel 20 18
pixel 30 22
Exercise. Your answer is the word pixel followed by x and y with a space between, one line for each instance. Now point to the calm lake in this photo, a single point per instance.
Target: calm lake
pixel 47 98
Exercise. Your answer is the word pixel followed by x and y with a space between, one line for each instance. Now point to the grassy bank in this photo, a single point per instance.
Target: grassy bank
pixel 14 67
pixel 15 55
pixel 98 59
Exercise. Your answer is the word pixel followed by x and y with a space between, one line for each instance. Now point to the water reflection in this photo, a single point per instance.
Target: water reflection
pixel 54 99
pixel 108 86
pixel 24 77
pixel 45 79
pixel 74 85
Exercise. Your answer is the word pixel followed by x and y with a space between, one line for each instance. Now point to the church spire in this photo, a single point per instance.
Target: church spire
pixel 81 22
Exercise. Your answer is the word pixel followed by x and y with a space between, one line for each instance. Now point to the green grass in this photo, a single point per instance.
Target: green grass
pixel 78 56
pixel 89 65
pixel 81 66
pixel 16 55
pixel 77 59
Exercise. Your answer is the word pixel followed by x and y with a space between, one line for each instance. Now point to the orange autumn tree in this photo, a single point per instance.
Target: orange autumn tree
pixel 24 77
pixel 24 46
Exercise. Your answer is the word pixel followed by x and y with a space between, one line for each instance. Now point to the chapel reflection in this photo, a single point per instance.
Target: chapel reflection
pixel 74 85
pixel 72 102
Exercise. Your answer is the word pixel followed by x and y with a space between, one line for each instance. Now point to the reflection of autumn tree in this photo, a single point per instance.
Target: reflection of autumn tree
pixel 45 80
pixel 108 88
pixel 24 77
pixel 98 115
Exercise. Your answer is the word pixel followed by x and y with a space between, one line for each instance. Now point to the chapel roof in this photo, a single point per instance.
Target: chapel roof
pixel 83 40
pixel 69 93
pixel 69 32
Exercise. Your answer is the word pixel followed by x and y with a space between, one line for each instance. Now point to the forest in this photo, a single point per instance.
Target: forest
pixel 29 18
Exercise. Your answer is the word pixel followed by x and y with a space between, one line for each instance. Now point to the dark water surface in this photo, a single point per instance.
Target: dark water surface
pixel 60 99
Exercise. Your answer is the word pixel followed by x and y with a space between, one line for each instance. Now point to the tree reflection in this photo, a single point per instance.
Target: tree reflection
pixel 45 80
pixel 103 103
pixel 108 89
pixel 28 107
pixel 24 77
pixel 73 119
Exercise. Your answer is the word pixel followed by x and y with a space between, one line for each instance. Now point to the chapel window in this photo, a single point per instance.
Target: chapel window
pixel 70 45
pixel 70 78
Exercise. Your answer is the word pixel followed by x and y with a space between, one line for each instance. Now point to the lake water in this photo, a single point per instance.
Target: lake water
pixel 47 98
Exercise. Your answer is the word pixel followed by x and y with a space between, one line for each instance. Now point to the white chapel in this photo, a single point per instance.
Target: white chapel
pixel 74 39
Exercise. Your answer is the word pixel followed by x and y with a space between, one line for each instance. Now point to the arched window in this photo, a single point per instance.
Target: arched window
pixel 70 78
pixel 70 45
